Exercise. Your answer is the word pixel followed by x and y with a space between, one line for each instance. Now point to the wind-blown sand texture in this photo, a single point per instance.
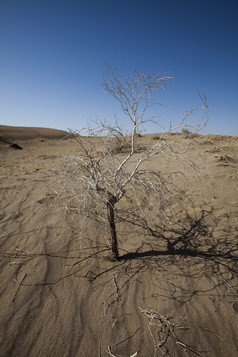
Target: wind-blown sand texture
pixel 62 296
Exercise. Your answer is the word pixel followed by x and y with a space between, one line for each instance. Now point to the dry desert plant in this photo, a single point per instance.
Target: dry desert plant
pixel 108 179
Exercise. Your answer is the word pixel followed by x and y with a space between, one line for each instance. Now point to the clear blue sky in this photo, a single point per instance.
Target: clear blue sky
pixel 53 54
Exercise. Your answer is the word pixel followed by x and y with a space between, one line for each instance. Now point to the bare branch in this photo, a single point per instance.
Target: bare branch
pixel 108 166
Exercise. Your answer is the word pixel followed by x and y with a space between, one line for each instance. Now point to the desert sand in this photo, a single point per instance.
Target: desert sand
pixel 61 296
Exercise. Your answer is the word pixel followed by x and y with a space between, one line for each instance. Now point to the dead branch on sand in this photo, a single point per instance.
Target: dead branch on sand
pixel 165 330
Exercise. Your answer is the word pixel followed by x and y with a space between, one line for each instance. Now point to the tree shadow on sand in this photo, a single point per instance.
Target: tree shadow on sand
pixel 193 238
pixel 198 247
pixel 178 267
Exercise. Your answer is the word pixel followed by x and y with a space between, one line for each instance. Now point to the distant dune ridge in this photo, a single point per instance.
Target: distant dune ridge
pixel 60 295
pixel 13 133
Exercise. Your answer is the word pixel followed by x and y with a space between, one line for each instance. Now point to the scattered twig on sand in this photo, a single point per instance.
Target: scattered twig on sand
pixel 116 286
pixel 91 255
pixel 109 351
pixel 166 330
pixel 119 343
pixel 220 338
pixel 51 290
pixel 19 284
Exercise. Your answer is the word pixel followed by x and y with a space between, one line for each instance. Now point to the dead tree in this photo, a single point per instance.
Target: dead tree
pixel 108 168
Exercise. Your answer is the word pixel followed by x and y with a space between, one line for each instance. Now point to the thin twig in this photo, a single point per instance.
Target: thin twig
pixel 51 290
pixel 117 289
pixel 19 284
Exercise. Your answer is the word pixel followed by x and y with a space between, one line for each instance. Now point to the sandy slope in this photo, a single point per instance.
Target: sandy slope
pixel 55 301
pixel 12 133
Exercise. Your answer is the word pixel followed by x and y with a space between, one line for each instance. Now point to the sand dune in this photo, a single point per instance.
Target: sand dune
pixel 12 133
pixel 61 296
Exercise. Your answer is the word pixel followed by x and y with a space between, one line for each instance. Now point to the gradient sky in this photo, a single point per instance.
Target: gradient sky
pixel 53 54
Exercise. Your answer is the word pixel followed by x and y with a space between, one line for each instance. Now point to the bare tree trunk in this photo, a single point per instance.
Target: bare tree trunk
pixel 111 219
